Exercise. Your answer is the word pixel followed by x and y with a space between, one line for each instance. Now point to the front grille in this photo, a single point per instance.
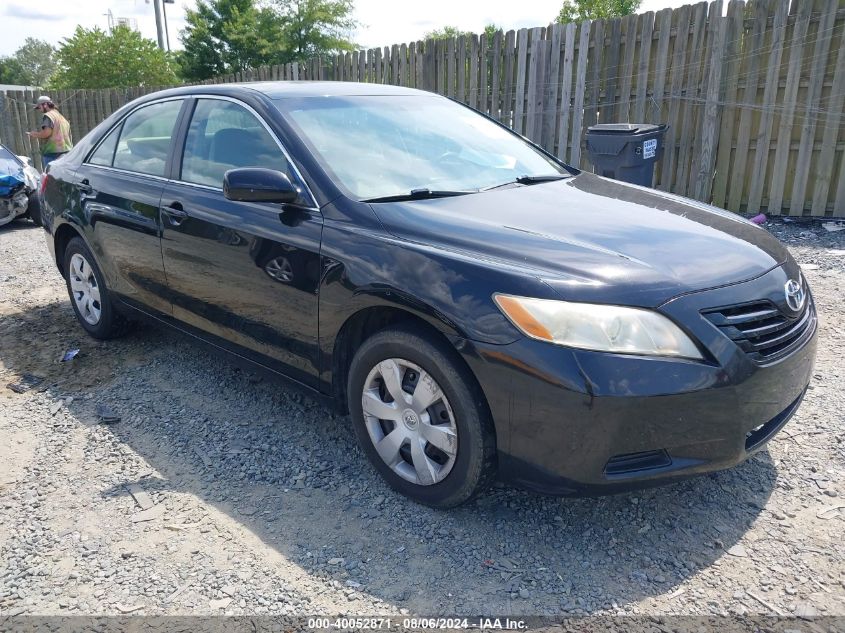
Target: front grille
pixel 762 330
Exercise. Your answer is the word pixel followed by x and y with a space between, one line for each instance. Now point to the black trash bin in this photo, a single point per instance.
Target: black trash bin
pixel 626 151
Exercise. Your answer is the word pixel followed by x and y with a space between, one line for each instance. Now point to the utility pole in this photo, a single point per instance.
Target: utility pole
pixel 166 30
pixel 159 29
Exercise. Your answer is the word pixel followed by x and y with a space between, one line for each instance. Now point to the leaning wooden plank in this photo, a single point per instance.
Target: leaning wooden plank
pixel 403 66
pixel 690 99
pixel 535 79
pixel 663 22
pixel 764 135
pixel 629 27
pixel 508 116
pixel 19 122
pixel 394 65
pixel 450 67
pixel 550 104
pixel 714 18
pixel 609 108
pixel 681 19
pixel 712 113
pixel 473 71
pixel 496 77
pixel 594 66
pixel 440 66
pixel 789 101
pixel 563 149
pixel 833 129
pixel 542 135
pixel 32 121
pixel 819 59
pixel 580 89
pixel 730 80
pixel 643 75
pixel 754 55
pixel 483 74
pixel 521 68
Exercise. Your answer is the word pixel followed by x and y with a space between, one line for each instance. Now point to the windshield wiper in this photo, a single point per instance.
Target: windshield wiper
pixel 530 180
pixel 418 194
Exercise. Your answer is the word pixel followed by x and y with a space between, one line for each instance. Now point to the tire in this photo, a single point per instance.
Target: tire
pixel 457 420
pixel 97 314
pixel 34 209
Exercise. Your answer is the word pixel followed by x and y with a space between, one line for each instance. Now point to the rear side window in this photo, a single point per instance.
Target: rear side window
pixel 145 138
pixel 105 152
pixel 224 135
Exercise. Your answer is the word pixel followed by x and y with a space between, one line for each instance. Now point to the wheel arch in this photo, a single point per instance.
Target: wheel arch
pixel 366 322
pixel 63 234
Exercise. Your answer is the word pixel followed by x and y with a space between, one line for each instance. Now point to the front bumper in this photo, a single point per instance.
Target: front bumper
pixel 580 422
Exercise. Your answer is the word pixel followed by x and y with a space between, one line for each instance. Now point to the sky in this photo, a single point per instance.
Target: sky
pixel 382 24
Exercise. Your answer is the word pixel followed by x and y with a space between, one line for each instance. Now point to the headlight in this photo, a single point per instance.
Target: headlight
pixel 597 327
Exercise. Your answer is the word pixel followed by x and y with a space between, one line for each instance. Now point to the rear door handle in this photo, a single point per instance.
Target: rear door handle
pixel 85 188
pixel 175 213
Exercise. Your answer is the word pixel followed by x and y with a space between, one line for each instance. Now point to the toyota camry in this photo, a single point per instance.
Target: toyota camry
pixel 479 308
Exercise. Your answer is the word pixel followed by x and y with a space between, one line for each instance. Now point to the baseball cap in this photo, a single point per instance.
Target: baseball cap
pixel 41 100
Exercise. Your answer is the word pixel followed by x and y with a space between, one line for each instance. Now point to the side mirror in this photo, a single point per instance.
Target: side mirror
pixel 256 184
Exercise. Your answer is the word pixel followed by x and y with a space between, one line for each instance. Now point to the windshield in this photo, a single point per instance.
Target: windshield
pixel 378 146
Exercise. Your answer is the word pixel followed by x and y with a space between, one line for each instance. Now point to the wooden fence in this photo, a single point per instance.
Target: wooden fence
pixel 753 93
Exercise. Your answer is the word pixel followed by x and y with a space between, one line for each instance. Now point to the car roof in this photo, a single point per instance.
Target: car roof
pixel 297 89
pixel 282 89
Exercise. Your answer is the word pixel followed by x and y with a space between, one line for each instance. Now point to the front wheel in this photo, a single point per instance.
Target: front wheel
pixel 420 418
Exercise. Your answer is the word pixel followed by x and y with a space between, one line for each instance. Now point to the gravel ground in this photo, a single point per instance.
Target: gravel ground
pixel 221 492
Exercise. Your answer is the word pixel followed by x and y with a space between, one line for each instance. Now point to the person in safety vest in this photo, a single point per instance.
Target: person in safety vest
pixel 54 133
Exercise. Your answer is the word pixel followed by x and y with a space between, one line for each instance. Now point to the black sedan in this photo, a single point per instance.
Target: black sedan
pixel 479 308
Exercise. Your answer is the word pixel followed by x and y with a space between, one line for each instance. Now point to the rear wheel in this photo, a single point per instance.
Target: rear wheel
pixel 420 418
pixel 33 209
pixel 89 296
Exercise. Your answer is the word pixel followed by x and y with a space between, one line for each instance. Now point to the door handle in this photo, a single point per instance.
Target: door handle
pixel 85 188
pixel 175 213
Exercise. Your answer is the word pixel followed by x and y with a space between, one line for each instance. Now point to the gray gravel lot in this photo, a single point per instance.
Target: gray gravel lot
pixel 222 492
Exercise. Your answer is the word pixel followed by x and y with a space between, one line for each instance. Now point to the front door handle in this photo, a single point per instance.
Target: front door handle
pixel 175 213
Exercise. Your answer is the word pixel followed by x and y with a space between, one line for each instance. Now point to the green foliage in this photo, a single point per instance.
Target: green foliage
pixel 579 10
pixel 226 36
pixel 37 58
pixel 315 27
pixel 93 58
pixel 12 72
pixel 445 33
pixel 31 65
pixel 448 32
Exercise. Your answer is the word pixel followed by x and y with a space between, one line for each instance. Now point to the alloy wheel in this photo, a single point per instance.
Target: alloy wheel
pixel 410 421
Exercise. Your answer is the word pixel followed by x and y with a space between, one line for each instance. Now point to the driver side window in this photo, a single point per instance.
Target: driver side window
pixel 224 135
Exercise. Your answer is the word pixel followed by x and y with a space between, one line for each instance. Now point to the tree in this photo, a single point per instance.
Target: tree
pixel 226 36
pixel 444 33
pixel 578 10
pixel 93 58
pixel 36 57
pixel 316 27
pixel 12 72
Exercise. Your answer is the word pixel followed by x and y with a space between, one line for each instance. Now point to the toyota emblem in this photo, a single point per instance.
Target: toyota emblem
pixel 795 295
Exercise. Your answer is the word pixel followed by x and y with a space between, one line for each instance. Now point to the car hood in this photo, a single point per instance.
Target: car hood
pixel 594 239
